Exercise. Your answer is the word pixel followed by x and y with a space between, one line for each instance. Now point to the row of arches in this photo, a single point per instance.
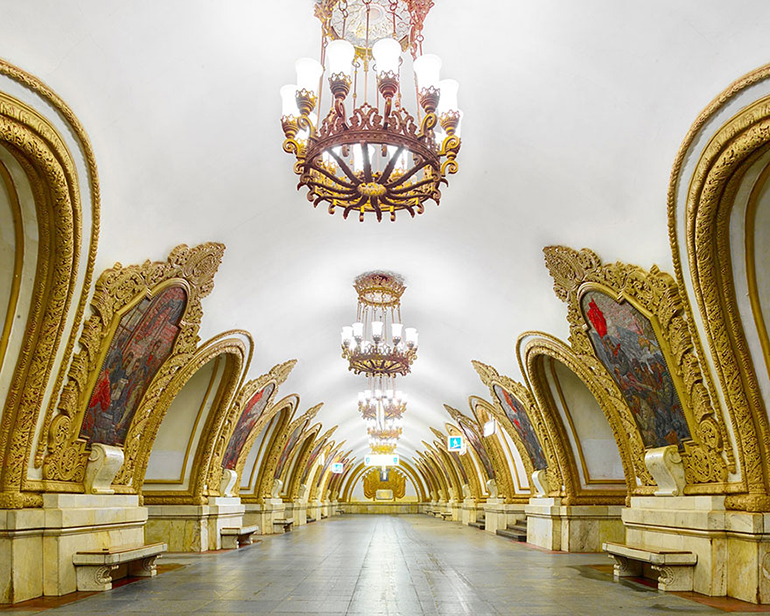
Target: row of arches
pixel 653 359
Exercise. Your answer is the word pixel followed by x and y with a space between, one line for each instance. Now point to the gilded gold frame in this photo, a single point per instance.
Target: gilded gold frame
pixel 656 295
pixel 237 356
pixel 734 147
pixel 117 290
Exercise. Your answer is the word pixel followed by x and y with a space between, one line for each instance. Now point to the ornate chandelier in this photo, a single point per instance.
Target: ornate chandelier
pixel 383 441
pixel 377 344
pixel 380 158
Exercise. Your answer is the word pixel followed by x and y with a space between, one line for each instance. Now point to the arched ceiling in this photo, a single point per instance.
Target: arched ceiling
pixel 573 114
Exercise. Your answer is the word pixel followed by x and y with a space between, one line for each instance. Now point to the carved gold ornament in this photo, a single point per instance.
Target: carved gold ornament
pixel 553 451
pixel 271 461
pixel 396 482
pixel 656 296
pixel 228 346
pixel 117 290
pixel 540 346
pixel 712 184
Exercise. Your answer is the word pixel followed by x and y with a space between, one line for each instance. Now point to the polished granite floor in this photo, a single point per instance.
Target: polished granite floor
pixel 383 565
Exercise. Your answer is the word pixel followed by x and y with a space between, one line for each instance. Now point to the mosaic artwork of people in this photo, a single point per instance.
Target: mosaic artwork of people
pixel 515 412
pixel 143 340
pixel 625 342
pixel 289 448
pixel 251 414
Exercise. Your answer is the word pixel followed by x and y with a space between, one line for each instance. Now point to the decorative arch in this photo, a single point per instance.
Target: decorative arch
pixel 234 348
pixel 36 149
pixel 536 351
pixel 524 421
pixel 619 313
pixel 484 412
pixel 452 456
pixel 274 422
pixel 306 461
pixel 243 422
pixel 453 481
pixel 297 453
pixel 127 304
pixel 441 481
pixel 322 474
pixel 720 168
pixel 473 469
pixel 273 466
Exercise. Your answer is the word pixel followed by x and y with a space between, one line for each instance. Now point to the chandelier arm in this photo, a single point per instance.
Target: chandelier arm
pixel 391 165
pixel 316 166
pixel 407 175
pixel 353 206
pixel 411 187
pixel 403 206
pixel 367 161
pixel 325 189
pixel 341 188
pixel 343 165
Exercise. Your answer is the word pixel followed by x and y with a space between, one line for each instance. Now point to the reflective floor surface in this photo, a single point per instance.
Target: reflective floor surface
pixel 375 564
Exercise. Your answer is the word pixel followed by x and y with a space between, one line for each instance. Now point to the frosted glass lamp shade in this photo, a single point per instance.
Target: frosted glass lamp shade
pixel 358 330
pixel 427 69
pixel 448 100
pixel 396 330
pixel 387 53
pixel 308 74
pixel 411 337
pixel 339 57
pixel 289 101
pixel 377 327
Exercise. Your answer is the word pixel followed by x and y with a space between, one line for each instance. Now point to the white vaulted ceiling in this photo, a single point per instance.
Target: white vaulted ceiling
pixel 573 115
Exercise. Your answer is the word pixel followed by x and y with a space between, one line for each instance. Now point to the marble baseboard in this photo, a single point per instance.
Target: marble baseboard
pixel 733 547
pixel 581 528
pixel 380 508
pixel 37 545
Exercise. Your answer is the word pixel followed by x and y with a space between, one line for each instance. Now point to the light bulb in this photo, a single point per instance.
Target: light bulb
pixel 368 394
pixel 387 53
pixel 389 394
pixel 339 57
pixel 427 69
pixel 289 101
pixel 448 100
pixel 378 394
pixel 308 74
pixel 361 397
pixel 411 337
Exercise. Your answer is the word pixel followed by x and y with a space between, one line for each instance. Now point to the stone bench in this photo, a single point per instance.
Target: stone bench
pixel 282 523
pixel 94 570
pixel 233 538
pixel 445 514
pixel 675 567
pixel 339 511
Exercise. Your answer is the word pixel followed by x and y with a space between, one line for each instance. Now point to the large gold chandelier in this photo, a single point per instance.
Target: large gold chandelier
pixel 379 159
pixel 377 344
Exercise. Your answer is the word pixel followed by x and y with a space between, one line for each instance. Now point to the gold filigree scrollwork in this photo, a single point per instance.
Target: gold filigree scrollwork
pixel 117 289
pixel 630 447
pixel 469 465
pixel 707 209
pixel 470 426
pixel 484 412
pixel 48 163
pixel 238 357
pixel 303 446
pixel 447 467
pixel 276 375
pixel 553 451
pixel 300 466
pixel 271 461
pixel 396 482
pixel 655 295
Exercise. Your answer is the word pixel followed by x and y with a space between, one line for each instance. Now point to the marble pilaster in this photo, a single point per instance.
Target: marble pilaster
pixel 573 528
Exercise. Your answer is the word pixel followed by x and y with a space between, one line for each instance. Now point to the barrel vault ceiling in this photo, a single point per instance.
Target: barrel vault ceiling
pixel 573 115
